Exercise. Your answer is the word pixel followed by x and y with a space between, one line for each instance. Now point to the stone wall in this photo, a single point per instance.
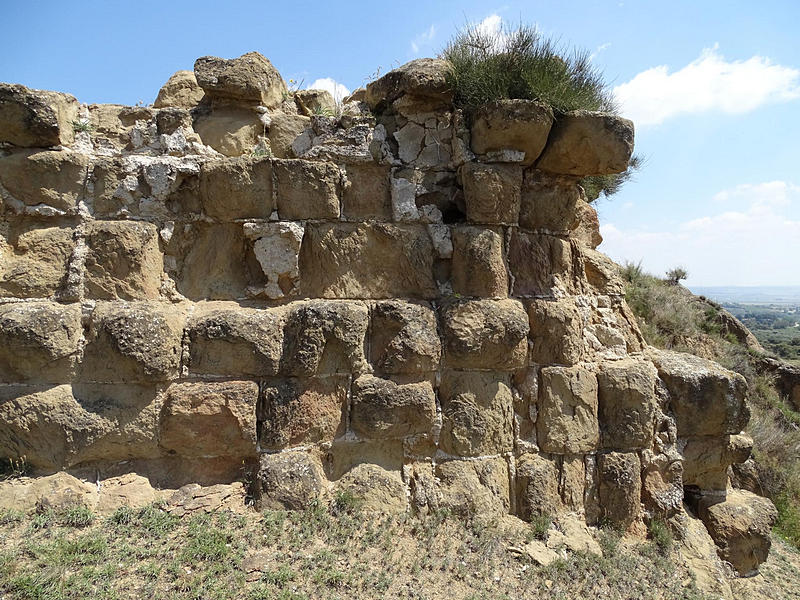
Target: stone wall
pixel 387 296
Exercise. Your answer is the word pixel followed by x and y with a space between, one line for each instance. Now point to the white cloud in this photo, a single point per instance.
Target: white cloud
pixel 337 90
pixel 709 83
pixel 423 39
pixel 757 245
pixel 599 49
pixel 492 27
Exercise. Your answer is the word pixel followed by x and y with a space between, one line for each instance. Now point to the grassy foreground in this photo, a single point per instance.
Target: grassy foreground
pixel 330 553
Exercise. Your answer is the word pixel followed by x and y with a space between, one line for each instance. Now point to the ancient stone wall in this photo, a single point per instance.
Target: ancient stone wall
pixel 388 296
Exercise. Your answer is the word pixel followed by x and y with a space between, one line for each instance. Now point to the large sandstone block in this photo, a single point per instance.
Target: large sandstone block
pixel 346 453
pixel 601 273
pixel 284 129
pixel 250 79
pixel 423 81
pixel 537 478
pixel 620 488
pixel 133 342
pixel 477 413
pixel 34 258
pixel 706 399
pixel 556 332
pixel 567 422
pixel 478 267
pixel 540 264
pixel 289 481
pixel 123 261
pixel 474 488
pixel 301 411
pixel 276 247
pixel 662 483
pixel 36 118
pixel 627 404
pixel 367 261
pixel 180 90
pixel 484 334
pixel 403 338
pixel 706 459
pixel 512 125
pixel 588 143
pixel 306 189
pixel 366 193
pixel 210 419
pixel 43 182
pixel 229 341
pixel 741 526
pixel 492 193
pixel 378 490
pixel 237 188
pixel 229 130
pixel 385 409
pixel 325 337
pixel 39 341
pixel 549 202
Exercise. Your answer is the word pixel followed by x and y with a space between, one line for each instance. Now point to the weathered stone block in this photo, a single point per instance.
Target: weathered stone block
pixel 537 486
pixel 620 487
pixel 588 143
pixel 123 261
pixel 230 341
pixel 46 183
pixel 567 422
pixel 475 487
pixel 492 193
pixel 662 483
pixel 519 125
pixel 478 267
pixel 587 228
pixel 210 419
pixel 180 90
pixel 379 490
pixel 627 404
pixel 237 188
pixel 367 193
pixel 706 399
pixel 231 131
pixel 540 264
pixel 276 247
pixel 601 273
pixel 307 190
pixel 706 459
pixel 384 409
pixel 249 79
pixel 424 81
pixel 284 129
pixel 548 202
pixel 477 413
pixel 367 261
pixel 133 342
pixel 36 118
pixel 325 337
pixel 484 334
pixel 39 341
pixel 403 338
pixel 33 259
pixel 345 454
pixel 556 332
pixel 301 411
pixel 289 481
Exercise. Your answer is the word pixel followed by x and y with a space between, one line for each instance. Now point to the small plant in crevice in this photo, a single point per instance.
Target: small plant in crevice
pixel 14 468
pixel 658 531
pixel 82 126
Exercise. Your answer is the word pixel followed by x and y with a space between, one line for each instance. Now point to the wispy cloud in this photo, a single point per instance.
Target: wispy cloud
pixel 708 83
pixel 337 90
pixel 423 39
pixel 599 49
pixel 758 244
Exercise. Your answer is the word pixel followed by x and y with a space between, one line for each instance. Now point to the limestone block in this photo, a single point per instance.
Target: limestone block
pixel 548 202
pixel 45 183
pixel 706 399
pixel 250 79
pixel 424 80
pixel 307 190
pixel 59 490
pixel 662 483
pixel 519 125
pixel 620 487
pixel 180 90
pixel 572 481
pixel 276 247
pixel 284 129
pixel 706 459
pixel 475 487
pixel 537 486
pixel 540 264
pixel 384 409
pixel 588 143
pixel 379 490
pixel 289 481
pixel 627 404
pixel 237 188
pixel 123 261
pixel 556 332
pixel 484 334
pixel 602 273
pixel 492 193
pixel 230 131
pixel 367 193
pixel 344 454
pixel 587 229
pixel 229 341
pixel 301 411
pixel 478 267
pixel 210 419
pixel 115 127
pixel 36 118
pixel 741 526
pixel 33 258
pixel 567 422
pixel 324 337
pixel 377 260
pixel 403 338
pixel 133 342
pixel 39 341
pixel 315 102
pixel 477 413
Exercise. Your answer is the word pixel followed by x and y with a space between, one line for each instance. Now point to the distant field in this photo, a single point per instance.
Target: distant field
pixel 777 326
pixel 751 294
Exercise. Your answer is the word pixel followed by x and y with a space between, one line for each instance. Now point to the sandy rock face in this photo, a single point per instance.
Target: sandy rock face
pixel 251 78
pixel 36 118
pixel 515 125
pixel 181 90
pixel 423 80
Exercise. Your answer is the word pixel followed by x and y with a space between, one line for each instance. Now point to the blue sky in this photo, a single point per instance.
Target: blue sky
pixel 713 87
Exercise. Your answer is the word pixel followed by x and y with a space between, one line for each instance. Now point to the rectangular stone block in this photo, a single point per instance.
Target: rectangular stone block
pixel 536 486
pixel 403 338
pixel 479 267
pixel 556 331
pixel 474 487
pixel 619 488
pixel 567 421
pixel 367 193
pixel 306 189
pixel 237 188
pixel 44 183
pixel 387 409
pixel 540 264
pixel 492 193
pixel 276 249
pixel 34 258
pixel 30 118
pixel 549 202
pixel 627 404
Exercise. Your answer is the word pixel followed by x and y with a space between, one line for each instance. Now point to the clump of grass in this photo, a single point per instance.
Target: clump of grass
pixel 659 532
pixel 345 502
pixel 14 468
pixel 540 524
pixel 75 516
pixel 82 126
